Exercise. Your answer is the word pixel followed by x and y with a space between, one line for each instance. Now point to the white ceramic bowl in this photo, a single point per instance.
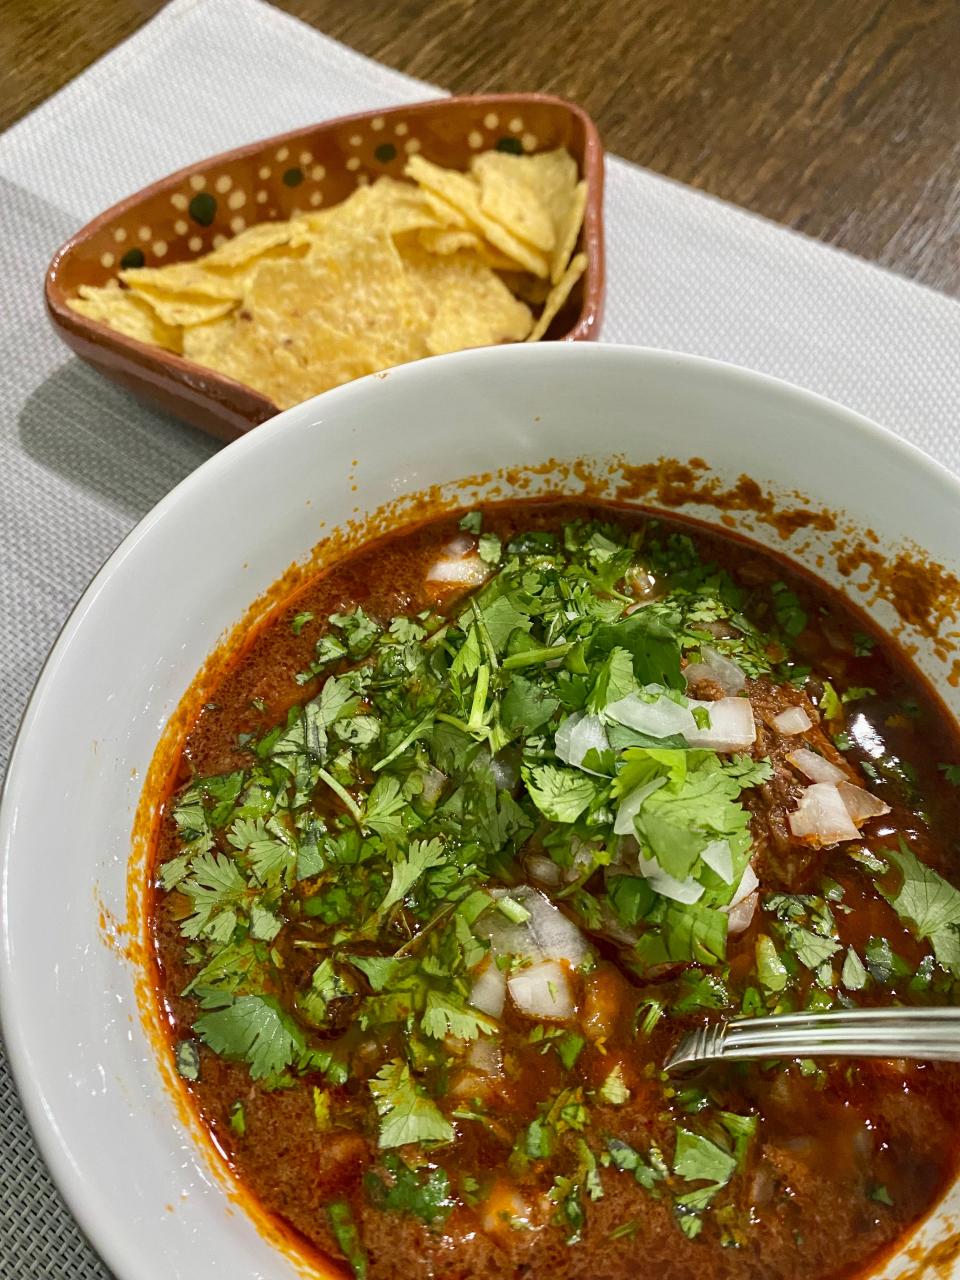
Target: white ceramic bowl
pixel 141 1186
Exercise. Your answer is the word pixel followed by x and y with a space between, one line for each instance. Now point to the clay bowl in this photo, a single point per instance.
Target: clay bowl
pixel 190 212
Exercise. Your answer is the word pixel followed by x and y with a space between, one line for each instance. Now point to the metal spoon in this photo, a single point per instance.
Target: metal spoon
pixel 931 1034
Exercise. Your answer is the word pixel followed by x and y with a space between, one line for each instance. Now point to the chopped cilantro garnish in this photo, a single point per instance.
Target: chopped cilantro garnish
pixel 187 1056
pixel 613 1090
pixel 256 1028
pixel 787 609
pixel 348 1237
pixel 863 644
pixel 929 904
pixel 423 1194
pixel 406 1113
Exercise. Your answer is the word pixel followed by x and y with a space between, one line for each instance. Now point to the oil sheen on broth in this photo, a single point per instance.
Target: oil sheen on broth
pixel 480 824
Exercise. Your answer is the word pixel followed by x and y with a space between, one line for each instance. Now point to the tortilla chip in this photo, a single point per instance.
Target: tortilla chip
pixel 444 211
pixel 461 191
pixel 237 347
pixel 567 232
pixel 469 304
pixel 241 248
pixel 184 308
pixel 507 196
pixel 444 240
pixel 531 289
pixel 558 296
pixel 353 281
pixel 125 313
pixel 181 278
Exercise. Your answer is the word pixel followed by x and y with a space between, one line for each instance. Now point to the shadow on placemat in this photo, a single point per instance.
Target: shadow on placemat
pixel 39 1240
pixel 101 439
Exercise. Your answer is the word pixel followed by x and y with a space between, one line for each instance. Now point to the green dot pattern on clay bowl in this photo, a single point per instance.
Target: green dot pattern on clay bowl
pixel 132 258
pixel 293 177
pixel 512 146
pixel 203 208
pixel 386 152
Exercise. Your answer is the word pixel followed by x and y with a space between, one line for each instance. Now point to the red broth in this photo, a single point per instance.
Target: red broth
pixel 553 1144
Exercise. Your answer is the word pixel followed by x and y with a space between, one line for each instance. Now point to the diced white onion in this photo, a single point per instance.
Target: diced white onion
pixel 731 727
pixel 723 671
pixel 484 1055
pixel 557 937
pixel 821 817
pixel 660 718
pixel 718 858
pixel 748 884
pixel 814 767
pixel 503 1208
pixel 679 890
pixel 577 735
pixel 861 804
pixel 542 991
pixel 489 990
pixel 542 869
pixel 546 934
pixel 433 781
pixel 792 720
pixel 739 917
pixel 631 804
pixel 504 774
pixel 459 545
pixel 743 904
pixel 468 571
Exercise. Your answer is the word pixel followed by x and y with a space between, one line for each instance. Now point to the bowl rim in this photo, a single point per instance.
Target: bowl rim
pixel 161 364
pixel 67 1172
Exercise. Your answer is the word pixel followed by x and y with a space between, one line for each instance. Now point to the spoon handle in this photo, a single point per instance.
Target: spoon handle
pixel 930 1034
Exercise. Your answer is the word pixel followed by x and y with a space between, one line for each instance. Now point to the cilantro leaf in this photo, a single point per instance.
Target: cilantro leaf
pixel 787 609
pixel 614 680
pixel 406 1113
pixel 254 1028
pixel 771 970
pixel 407 870
pixel 385 803
pixel 697 1159
pixel 652 644
pixel 853 975
pixel 489 548
pixel 216 888
pixel 613 1090
pixel 526 706
pixel 929 904
pixel 360 631
pixel 187 1058
pixel 448 1015
pixel 421 1194
pixel 560 794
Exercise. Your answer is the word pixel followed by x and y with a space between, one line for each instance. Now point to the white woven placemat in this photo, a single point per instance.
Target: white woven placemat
pixel 80 461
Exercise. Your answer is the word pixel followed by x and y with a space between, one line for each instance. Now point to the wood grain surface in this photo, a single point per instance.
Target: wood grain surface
pixel 840 118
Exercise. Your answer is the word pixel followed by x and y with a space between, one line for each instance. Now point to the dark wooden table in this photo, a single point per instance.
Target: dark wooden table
pixel 840 118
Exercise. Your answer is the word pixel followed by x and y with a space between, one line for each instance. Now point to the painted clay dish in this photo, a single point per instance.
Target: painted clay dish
pixel 194 210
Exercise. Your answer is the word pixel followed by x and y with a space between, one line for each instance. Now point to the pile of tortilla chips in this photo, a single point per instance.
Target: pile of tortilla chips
pixel 397 271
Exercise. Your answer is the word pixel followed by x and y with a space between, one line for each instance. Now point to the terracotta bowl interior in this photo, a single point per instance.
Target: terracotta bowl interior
pixel 193 211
